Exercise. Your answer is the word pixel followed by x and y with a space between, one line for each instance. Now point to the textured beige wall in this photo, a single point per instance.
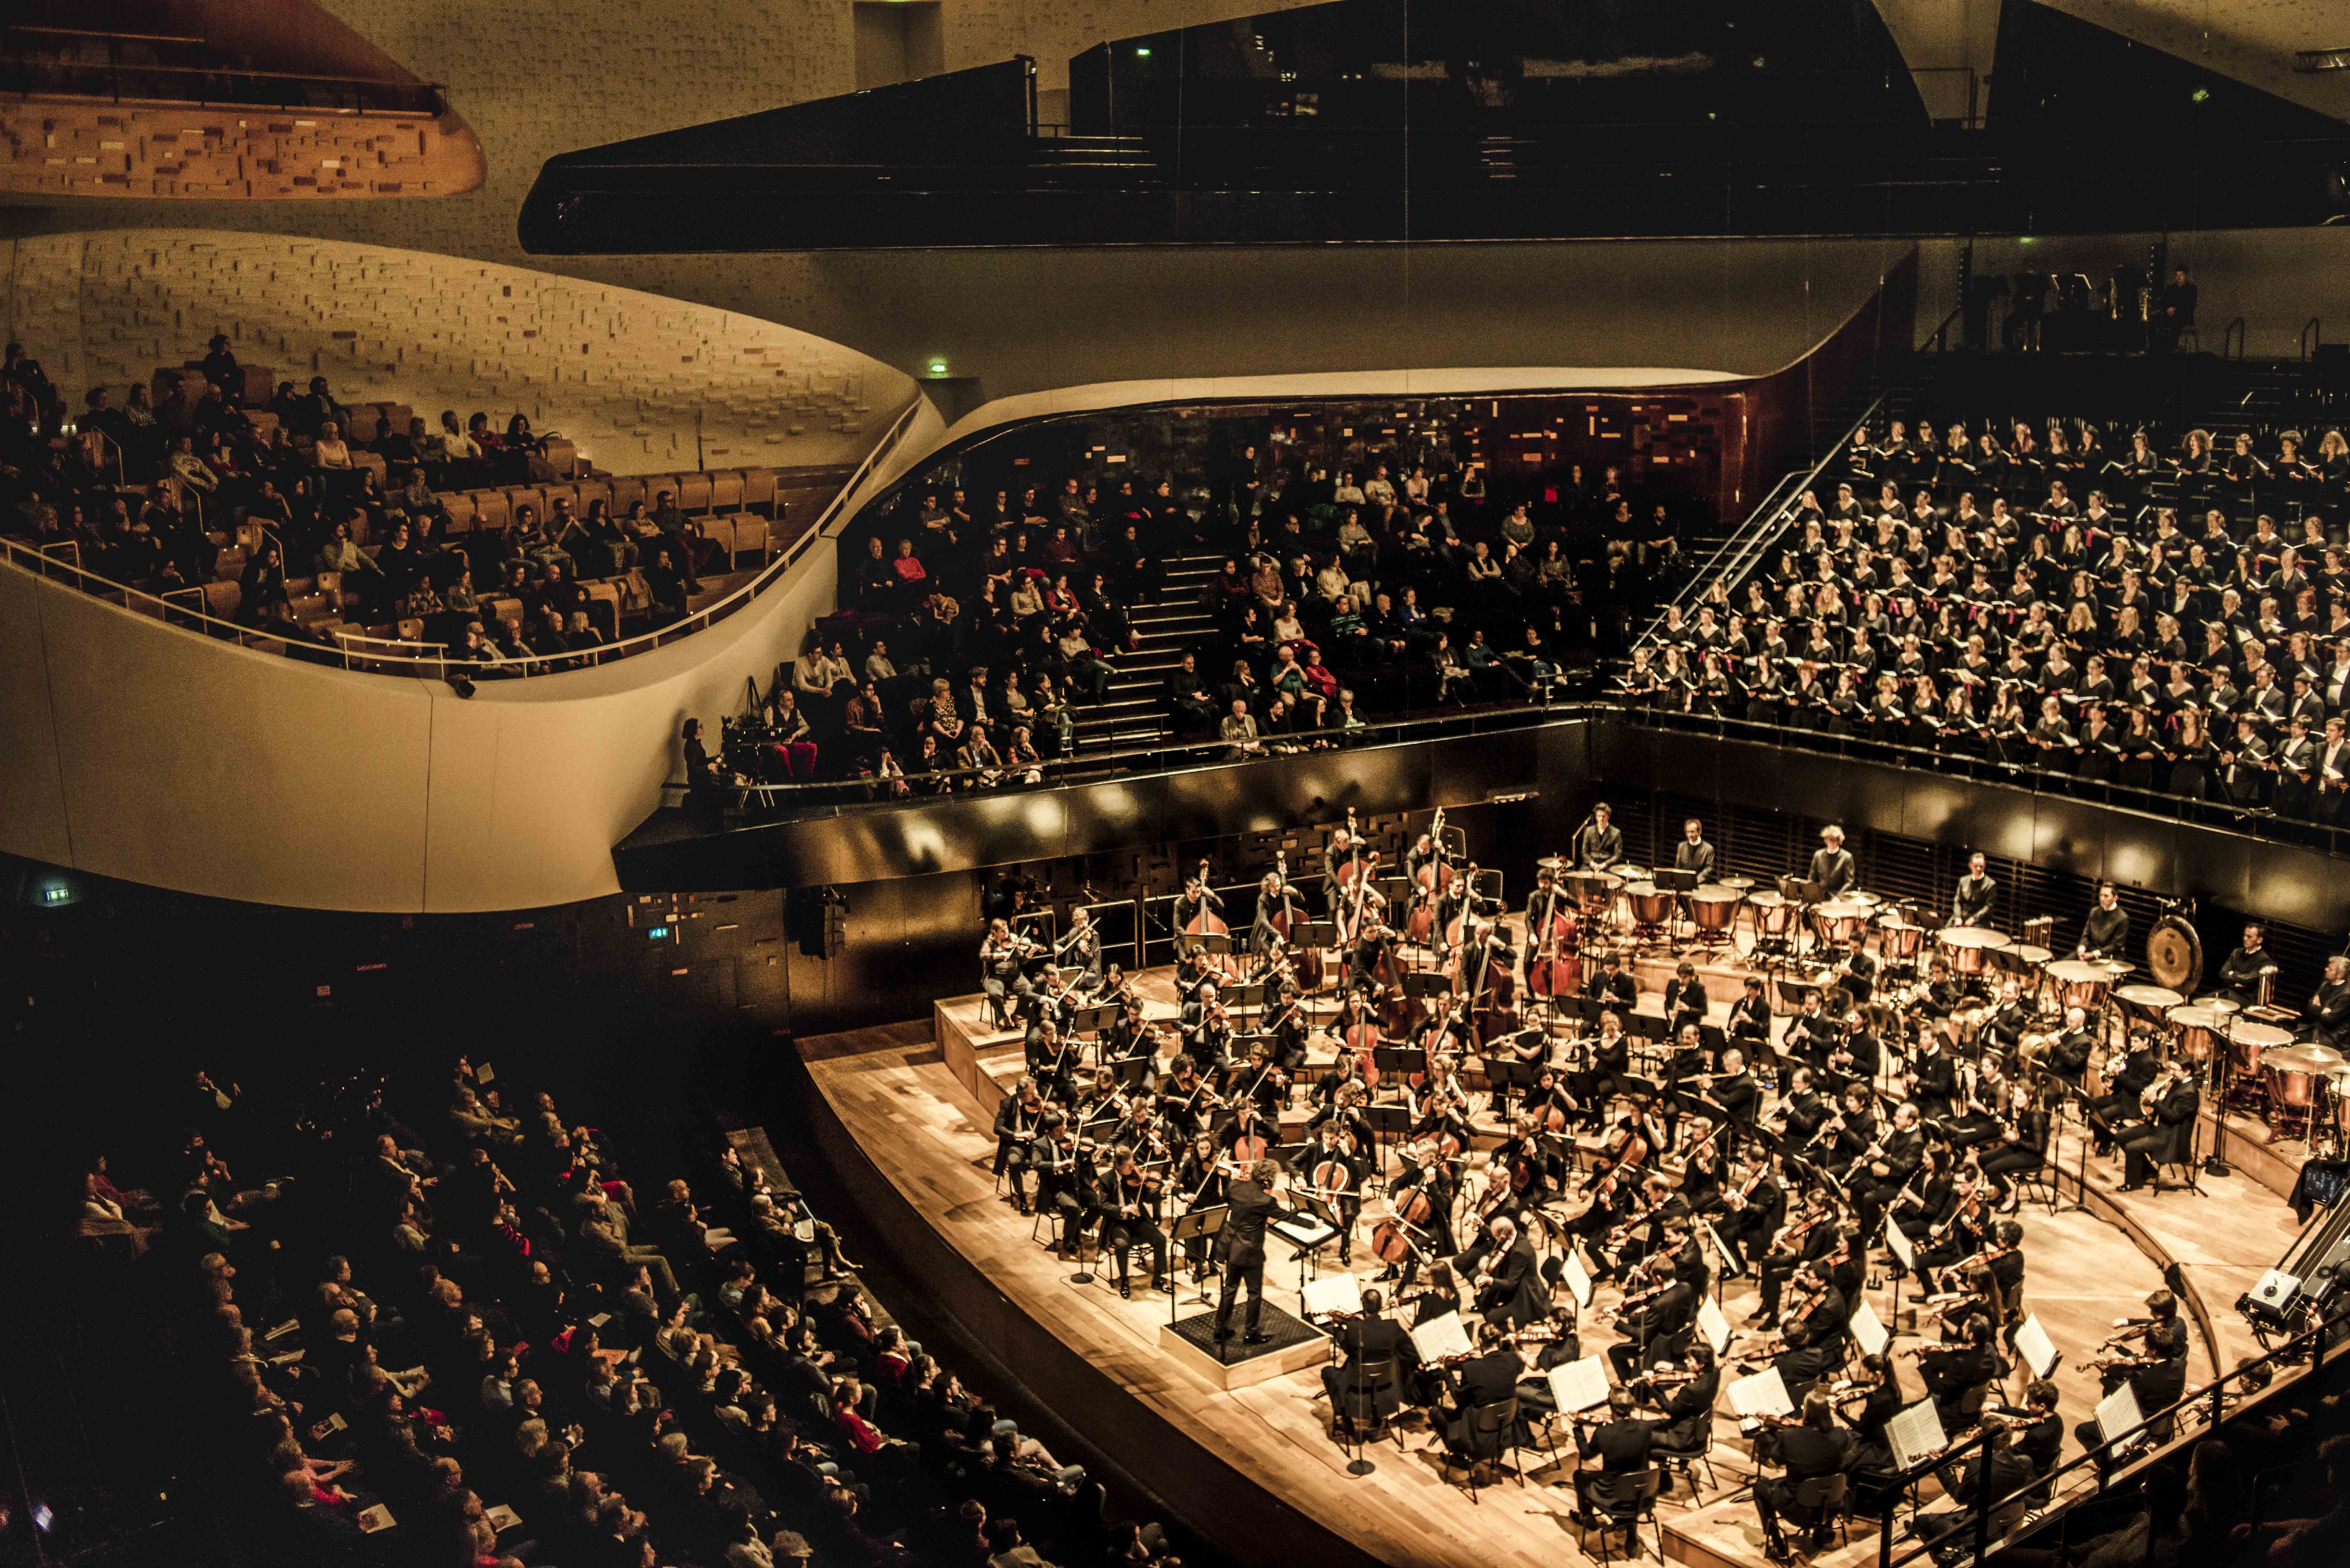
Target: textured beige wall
pixel 623 374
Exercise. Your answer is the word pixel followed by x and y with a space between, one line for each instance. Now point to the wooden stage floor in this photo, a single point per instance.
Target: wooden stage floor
pixel 912 1104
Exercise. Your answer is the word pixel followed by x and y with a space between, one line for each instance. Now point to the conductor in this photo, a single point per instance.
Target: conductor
pixel 1600 845
pixel 1249 1205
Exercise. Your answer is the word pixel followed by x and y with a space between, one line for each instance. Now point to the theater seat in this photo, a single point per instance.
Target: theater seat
pixel 694 492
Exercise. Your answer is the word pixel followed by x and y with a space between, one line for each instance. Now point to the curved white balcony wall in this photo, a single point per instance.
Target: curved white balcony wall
pixel 638 381
pixel 133 749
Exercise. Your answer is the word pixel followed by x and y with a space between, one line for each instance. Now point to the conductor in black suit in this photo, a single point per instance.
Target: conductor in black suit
pixel 1249 1208
pixel 1371 1338
pixel 1814 1448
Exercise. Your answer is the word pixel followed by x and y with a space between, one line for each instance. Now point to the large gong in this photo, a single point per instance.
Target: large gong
pixel 2174 955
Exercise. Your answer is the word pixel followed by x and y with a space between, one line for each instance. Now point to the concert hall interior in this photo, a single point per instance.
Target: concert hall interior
pixel 1039 784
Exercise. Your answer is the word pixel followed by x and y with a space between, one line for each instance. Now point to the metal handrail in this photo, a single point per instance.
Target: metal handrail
pixel 2312 335
pixel 1941 334
pixel 1767 522
pixel 556 663
pixel 2232 339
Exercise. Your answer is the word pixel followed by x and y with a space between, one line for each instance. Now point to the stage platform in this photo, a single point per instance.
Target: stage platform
pixel 903 1114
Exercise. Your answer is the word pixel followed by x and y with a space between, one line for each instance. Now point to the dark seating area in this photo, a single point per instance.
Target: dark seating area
pixel 1287 577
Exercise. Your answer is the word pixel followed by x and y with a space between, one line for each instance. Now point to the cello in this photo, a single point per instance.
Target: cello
pixel 1552 968
pixel 1391 1239
pixel 1360 1038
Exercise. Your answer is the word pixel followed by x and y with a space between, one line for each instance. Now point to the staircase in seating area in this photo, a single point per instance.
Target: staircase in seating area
pixel 1133 712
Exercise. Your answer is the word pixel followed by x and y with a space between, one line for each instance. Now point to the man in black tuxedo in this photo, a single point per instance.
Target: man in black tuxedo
pixel 2329 1007
pixel 1372 1337
pixel 2157 1380
pixel 1249 1208
pixel 1487 1378
pixel 1831 864
pixel 2121 1103
pixel 2176 1106
pixel 1648 1326
pixel 1502 1268
pixel 1814 1448
pixel 1620 1444
pixel 1952 1372
pixel 1998 1468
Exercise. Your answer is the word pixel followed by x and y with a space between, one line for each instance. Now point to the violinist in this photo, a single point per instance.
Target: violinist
pixel 1048 1001
pixel 1657 1305
pixel 1207 1029
pixel 1286 1022
pixel 1488 1378
pixel 1701 1177
pixel 1560 1343
pixel 1810 1342
pixel 1140 1131
pixel 1802 1242
pixel 1019 1123
pixel 1100 1099
pixel 1610 1062
pixel 1753 1206
pixel 2157 1376
pixel 2161 1307
pixel 1129 1035
pixel 1501 1272
pixel 1186 1101
pixel 1641 1232
pixel 1002 977
pixel 1809 1450
pixel 1260 1079
pixel 1684 1396
pixel 1114 989
pixel 1192 970
pixel 1128 1199
pixel 1052 1060
pixel 1367 1340
pixel 1276 908
pixel 1081 950
pixel 1953 1371
pixel 1621 1446
pixel 1065 1183
pixel 1201 1178
pixel 1998 1468
pixel 1875 1388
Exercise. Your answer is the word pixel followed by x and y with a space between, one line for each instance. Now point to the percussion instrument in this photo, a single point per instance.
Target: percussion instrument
pixel 1552 863
pixel 2199 1028
pixel 2147 1004
pixel 1715 908
pixel 1651 908
pixel 1841 922
pixel 1598 889
pixel 2174 955
pixel 1967 948
pixel 1774 917
pixel 1899 941
pixel 1856 895
pixel 1631 873
pixel 2292 1073
pixel 2080 984
pixel 2222 1004
pixel 2338 1084
pixel 1741 884
pixel 2028 961
pixel 2247 1043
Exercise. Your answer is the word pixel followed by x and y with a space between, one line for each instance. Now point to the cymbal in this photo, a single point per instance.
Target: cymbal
pixel 1552 863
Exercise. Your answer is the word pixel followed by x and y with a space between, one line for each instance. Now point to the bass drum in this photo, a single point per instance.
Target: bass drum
pixel 2174 955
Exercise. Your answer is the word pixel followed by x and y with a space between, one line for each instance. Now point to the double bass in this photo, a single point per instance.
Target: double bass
pixel 1305 961
pixel 1433 877
pixel 1551 967
pixel 1207 922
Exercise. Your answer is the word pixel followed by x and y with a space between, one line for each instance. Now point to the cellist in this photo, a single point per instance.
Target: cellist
pixel 1344 1112
pixel 1333 1173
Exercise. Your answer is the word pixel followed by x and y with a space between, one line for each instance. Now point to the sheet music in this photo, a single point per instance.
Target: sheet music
pixel 1914 1433
pixel 1898 1243
pixel 1440 1337
pixel 1578 1278
pixel 1868 1331
pixel 1764 1394
pixel 1302 1231
pixel 1579 1384
pixel 2033 1343
pixel 501 1517
pixel 377 1518
pixel 1338 1293
pixel 1713 1325
pixel 2117 1412
pixel 1730 1262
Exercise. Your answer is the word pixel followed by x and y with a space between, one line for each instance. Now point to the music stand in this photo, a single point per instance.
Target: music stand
pixel 1092 1019
pixel 1242 997
pixel 1801 891
pixel 1667 879
pixel 1388 1124
pixel 1317 934
pixel 1396 891
pixel 1213 942
pixel 1326 1210
pixel 1424 982
pixel 1203 1224
pixel 1131 1071
pixel 1505 1077
pixel 1397 1061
